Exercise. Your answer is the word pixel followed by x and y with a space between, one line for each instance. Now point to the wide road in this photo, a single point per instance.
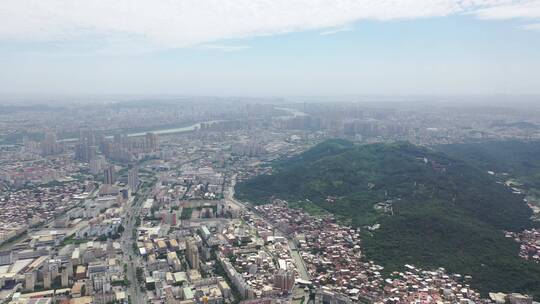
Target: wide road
pixel 229 195
pixel 133 260
pixel 299 261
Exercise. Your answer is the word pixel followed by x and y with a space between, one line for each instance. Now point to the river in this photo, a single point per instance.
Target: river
pixel 193 127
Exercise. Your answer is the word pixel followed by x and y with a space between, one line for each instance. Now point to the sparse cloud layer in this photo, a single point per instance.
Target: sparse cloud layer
pixel 186 23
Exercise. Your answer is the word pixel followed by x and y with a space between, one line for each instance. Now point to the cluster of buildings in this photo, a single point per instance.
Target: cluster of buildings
pixel 55 265
pixel 414 285
pixel 419 125
pixel 174 266
pixel 176 255
pixel 196 249
pixel 529 241
pixel 331 252
pixel 203 181
pixel 120 148
pixel 25 208
pixel 258 262
pixel 71 252
pixel 191 244
pixel 248 149
pixel 29 169
pixel 119 117
pixel 149 216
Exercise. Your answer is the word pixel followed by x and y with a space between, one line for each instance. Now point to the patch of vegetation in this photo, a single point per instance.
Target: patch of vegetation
pixel 139 272
pixel 186 213
pixel 125 282
pixel 72 240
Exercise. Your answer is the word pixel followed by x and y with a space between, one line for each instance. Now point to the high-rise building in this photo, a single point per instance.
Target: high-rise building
pixel 118 139
pixel 96 164
pixel 49 145
pixel 80 151
pixel 30 280
pixel 65 277
pixel 284 280
pixel 133 179
pixel 86 149
pixel 92 152
pixel 169 217
pixel 69 268
pixel 101 283
pixel 84 152
pixel 105 147
pixel 193 254
pixel 47 279
pixel 109 175
pixel 88 136
pixel 6 257
pixel 152 142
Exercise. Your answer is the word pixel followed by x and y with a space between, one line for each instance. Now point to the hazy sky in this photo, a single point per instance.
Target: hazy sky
pixel 269 47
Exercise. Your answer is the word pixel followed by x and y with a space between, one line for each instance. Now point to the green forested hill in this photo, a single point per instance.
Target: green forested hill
pixel 445 211
pixel 520 159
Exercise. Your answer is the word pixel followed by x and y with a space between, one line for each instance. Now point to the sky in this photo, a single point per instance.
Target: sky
pixel 269 47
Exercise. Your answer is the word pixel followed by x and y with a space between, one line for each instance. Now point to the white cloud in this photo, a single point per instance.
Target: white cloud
pixel 336 30
pixel 517 9
pixel 224 47
pixel 183 23
pixel 532 27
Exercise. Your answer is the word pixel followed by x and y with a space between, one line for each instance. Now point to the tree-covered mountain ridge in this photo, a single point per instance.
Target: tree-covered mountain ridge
pixel 443 211
pixel 336 173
